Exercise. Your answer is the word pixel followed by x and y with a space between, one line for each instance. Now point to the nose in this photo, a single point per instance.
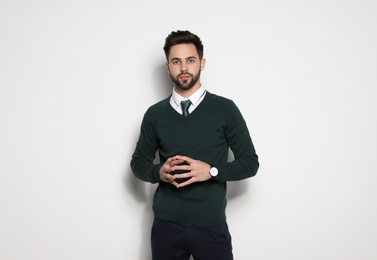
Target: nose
pixel 183 67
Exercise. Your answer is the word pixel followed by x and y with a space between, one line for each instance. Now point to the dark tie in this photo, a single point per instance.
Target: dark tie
pixel 185 107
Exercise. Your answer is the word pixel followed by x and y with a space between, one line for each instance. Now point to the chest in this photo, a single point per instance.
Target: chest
pixel 190 134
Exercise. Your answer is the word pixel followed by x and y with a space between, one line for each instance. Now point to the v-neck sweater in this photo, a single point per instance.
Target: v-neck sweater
pixel 206 134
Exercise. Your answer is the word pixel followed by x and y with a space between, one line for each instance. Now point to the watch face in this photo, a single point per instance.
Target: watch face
pixel 213 171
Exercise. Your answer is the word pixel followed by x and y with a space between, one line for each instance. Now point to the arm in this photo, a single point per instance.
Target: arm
pixel 245 163
pixel 142 159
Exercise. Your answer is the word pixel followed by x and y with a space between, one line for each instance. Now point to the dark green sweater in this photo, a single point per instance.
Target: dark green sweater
pixel 206 134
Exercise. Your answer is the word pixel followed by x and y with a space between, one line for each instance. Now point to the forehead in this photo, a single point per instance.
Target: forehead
pixel 183 51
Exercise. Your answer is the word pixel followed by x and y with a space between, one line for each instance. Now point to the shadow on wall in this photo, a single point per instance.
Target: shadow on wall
pixel 143 192
pixel 163 85
pixel 235 188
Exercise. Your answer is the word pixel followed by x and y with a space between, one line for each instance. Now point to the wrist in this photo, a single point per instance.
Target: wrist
pixel 213 171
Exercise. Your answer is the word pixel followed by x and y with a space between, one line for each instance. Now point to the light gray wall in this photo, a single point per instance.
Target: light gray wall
pixel 77 76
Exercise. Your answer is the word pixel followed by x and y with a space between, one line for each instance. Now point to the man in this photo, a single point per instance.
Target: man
pixel 192 130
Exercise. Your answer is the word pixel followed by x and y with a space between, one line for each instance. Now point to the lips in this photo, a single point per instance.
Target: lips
pixel 184 77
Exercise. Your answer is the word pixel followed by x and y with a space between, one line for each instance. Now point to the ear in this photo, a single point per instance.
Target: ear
pixel 167 67
pixel 202 64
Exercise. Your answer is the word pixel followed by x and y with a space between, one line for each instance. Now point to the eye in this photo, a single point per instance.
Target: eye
pixel 175 62
pixel 191 61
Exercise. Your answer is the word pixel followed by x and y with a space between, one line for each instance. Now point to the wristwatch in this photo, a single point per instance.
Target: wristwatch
pixel 213 171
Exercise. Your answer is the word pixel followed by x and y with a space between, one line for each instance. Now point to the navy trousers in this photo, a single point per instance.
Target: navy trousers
pixel 175 242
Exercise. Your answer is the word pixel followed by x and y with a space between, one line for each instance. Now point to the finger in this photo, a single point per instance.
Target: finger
pixel 183 175
pixel 185 158
pixel 168 177
pixel 175 184
pixel 167 169
pixel 176 162
pixel 170 159
pixel 182 167
pixel 188 182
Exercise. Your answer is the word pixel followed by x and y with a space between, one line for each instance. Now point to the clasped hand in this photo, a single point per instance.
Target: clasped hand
pixel 198 170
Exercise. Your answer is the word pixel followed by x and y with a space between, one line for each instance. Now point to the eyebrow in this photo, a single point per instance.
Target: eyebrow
pixel 179 59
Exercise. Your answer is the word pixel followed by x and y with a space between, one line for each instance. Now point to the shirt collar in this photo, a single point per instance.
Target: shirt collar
pixel 194 98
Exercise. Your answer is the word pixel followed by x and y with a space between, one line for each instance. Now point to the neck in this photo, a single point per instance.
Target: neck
pixel 188 92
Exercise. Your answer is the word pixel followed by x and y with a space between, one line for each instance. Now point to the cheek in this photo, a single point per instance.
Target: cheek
pixel 174 71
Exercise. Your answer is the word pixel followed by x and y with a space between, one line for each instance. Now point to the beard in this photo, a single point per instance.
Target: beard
pixel 187 84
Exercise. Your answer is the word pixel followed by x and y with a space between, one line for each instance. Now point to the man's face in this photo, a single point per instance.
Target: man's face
pixel 184 66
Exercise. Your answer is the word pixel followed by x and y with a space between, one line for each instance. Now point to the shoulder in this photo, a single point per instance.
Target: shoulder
pixel 221 103
pixel 225 109
pixel 158 108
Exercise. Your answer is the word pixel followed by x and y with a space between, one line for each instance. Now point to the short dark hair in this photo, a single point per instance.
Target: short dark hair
pixel 183 37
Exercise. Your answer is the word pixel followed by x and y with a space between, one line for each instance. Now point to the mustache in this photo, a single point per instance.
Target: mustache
pixel 185 73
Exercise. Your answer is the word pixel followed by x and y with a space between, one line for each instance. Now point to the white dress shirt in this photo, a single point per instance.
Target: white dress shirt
pixel 196 98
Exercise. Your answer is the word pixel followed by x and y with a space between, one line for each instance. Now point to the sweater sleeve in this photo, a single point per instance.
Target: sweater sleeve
pixel 142 159
pixel 245 163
